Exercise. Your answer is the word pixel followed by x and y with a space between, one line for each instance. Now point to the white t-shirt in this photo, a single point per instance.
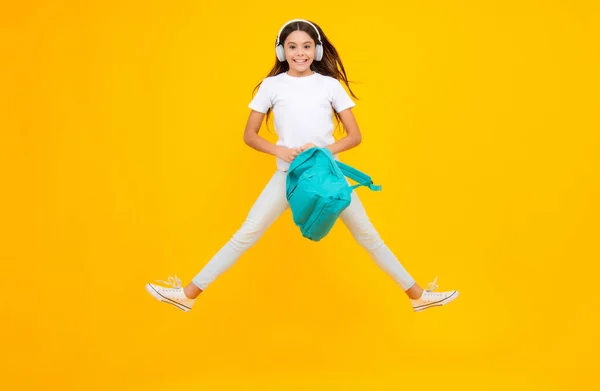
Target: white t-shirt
pixel 302 108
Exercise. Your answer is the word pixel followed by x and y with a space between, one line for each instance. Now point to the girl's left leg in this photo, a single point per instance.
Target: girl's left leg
pixel 355 218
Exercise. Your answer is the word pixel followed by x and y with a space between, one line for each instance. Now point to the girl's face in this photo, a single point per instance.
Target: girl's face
pixel 299 53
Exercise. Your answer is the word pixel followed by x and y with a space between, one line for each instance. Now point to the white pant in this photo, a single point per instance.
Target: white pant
pixel 271 203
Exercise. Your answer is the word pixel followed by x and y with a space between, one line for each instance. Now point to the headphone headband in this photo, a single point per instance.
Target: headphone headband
pixel 297 20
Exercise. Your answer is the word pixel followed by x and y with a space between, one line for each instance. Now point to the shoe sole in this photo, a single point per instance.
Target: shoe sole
pixel 437 303
pixel 160 297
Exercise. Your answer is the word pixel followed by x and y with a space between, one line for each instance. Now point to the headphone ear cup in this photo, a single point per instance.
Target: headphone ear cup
pixel 280 53
pixel 318 52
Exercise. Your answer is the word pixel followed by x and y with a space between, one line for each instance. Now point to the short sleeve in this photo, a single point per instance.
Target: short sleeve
pixel 262 100
pixel 341 100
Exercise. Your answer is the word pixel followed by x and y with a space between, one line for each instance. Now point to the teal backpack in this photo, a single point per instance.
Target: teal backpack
pixel 317 190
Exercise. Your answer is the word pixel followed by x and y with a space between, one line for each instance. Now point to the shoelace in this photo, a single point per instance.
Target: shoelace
pixel 175 282
pixel 432 285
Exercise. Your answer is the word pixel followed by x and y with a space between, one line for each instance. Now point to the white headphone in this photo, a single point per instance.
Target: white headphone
pixel 281 51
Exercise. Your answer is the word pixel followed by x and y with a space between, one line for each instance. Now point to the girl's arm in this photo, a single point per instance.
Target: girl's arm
pixel 353 137
pixel 252 139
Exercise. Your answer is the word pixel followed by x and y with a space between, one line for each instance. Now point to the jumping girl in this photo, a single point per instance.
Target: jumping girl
pixel 302 90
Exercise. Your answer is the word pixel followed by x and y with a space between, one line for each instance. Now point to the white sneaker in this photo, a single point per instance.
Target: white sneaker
pixel 174 295
pixel 432 299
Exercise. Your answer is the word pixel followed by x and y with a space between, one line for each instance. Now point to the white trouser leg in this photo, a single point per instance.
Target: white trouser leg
pixel 356 219
pixel 271 203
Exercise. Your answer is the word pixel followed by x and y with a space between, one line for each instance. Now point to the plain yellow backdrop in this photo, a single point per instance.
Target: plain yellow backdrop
pixel 122 162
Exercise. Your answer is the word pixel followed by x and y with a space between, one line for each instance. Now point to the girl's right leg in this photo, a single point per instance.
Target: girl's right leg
pixel 271 203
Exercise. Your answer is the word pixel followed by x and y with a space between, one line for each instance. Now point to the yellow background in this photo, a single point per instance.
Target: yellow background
pixel 122 162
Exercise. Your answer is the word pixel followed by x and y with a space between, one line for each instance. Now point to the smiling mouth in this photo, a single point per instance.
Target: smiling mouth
pixel 300 61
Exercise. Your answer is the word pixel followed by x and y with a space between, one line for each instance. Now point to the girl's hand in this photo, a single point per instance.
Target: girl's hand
pixel 307 146
pixel 287 154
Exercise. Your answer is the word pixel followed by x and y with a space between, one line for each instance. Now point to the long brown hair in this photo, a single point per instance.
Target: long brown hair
pixel 330 65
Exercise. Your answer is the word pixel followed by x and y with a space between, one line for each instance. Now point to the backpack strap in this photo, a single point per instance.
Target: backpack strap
pixel 357 176
pixel 351 172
